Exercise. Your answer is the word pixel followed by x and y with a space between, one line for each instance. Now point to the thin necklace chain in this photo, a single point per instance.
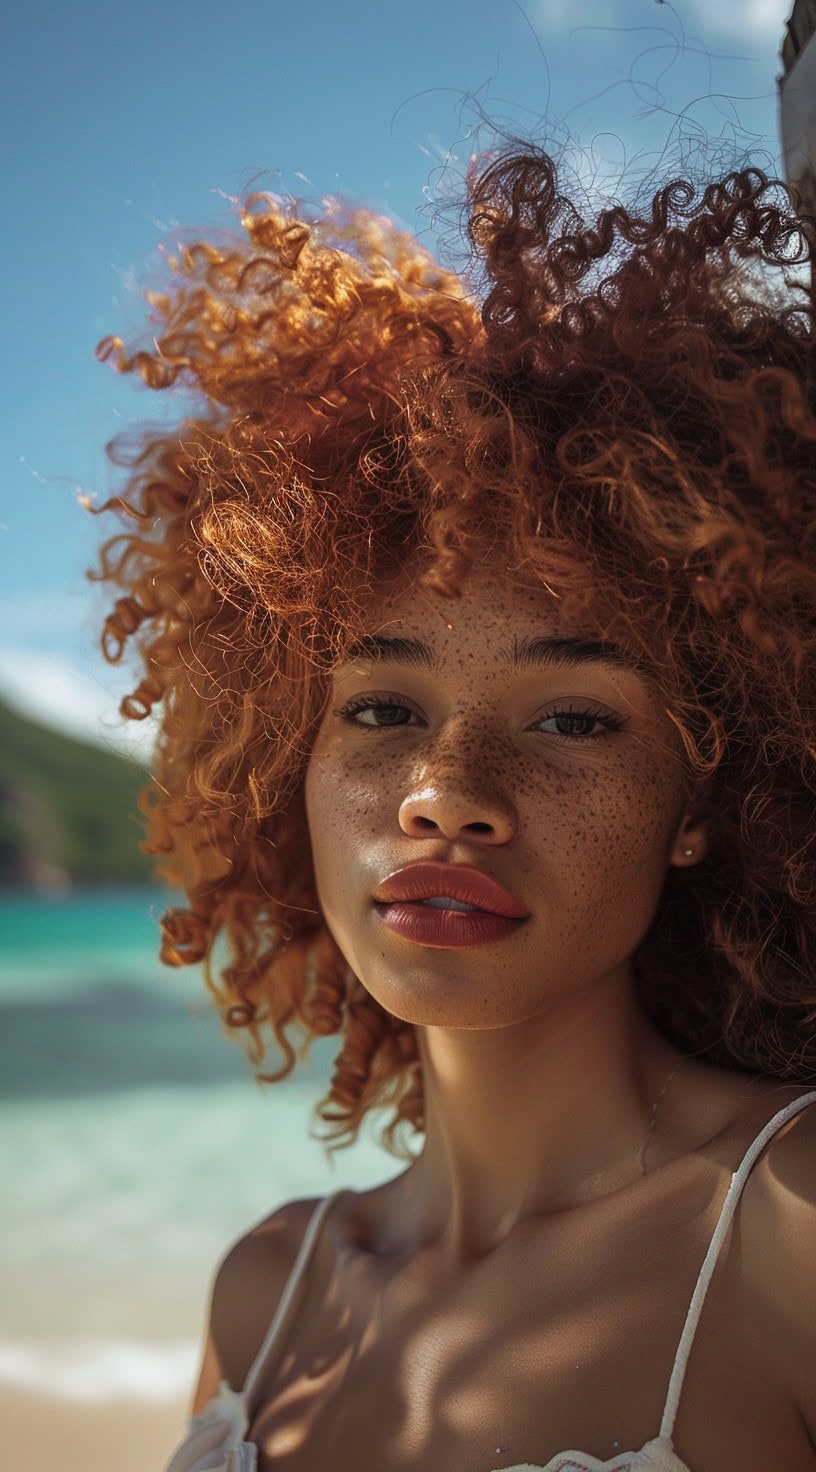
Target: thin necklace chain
pixel 653 1121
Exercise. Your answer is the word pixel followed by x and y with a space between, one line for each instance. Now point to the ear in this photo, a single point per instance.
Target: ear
pixel 693 829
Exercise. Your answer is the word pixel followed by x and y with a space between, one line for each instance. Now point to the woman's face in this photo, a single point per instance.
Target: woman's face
pixel 560 780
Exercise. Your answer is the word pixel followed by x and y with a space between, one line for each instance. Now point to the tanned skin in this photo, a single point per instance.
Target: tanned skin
pixel 521 1288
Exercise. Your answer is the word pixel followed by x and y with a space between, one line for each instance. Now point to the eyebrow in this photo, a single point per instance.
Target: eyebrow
pixel 530 652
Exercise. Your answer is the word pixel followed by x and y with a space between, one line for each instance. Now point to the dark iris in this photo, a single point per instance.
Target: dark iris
pixel 571 718
pixel 386 711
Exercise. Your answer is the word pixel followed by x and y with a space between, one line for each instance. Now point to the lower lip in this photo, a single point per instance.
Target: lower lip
pixel 430 926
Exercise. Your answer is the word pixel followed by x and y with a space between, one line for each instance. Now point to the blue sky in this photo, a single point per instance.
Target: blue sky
pixel 123 123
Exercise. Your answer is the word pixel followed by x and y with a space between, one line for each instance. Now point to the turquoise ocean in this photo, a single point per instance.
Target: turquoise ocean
pixel 135 1147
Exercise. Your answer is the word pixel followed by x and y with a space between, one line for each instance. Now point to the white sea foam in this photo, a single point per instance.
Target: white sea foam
pixel 93 1370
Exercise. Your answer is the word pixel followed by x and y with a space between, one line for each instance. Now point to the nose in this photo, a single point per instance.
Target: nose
pixel 437 810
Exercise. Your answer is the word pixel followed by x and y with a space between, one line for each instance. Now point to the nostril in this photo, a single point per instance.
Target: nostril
pixel 428 813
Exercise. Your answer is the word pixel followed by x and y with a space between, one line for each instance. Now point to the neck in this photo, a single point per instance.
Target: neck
pixel 533 1118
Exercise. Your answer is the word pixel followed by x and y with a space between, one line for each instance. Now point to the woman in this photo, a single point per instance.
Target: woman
pixel 484 627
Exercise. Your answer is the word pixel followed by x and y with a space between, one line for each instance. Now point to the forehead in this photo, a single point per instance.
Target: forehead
pixel 502 623
pixel 498 608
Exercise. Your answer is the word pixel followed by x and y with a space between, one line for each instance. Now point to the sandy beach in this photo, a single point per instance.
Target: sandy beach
pixel 45 1435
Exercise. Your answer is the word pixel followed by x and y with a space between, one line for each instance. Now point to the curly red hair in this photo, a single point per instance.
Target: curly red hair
pixel 628 407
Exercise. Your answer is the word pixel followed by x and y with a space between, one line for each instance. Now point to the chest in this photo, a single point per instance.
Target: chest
pixel 566 1340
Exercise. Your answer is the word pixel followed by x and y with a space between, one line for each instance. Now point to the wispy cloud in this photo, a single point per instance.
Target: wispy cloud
pixel 757 20
pixel 568 14
pixel 50 688
pixel 749 20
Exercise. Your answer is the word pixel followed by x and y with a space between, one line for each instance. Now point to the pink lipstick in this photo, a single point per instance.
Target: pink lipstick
pixel 447 905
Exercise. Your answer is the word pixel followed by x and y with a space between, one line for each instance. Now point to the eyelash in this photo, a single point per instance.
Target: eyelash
pixel 352 708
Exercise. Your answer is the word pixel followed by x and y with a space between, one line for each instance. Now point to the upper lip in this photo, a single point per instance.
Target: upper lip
pixel 422 881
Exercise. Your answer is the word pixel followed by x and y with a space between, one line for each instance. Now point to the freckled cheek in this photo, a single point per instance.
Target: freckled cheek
pixel 608 821
pixel 346 811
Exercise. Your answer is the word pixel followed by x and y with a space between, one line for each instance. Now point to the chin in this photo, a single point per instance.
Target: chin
pixel 423 999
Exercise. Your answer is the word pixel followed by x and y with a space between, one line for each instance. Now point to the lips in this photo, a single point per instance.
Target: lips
pixel 422 881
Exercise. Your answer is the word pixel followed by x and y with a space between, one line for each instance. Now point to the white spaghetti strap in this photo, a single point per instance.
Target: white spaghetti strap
pixel 293 1282
pixel 738 1179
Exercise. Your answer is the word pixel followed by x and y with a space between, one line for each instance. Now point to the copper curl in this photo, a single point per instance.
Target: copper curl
pixel 627 404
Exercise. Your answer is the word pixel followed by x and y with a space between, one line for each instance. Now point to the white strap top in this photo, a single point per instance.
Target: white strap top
pixel 214 1438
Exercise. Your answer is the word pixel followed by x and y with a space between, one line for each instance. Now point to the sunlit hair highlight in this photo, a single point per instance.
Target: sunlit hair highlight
pixel 625 408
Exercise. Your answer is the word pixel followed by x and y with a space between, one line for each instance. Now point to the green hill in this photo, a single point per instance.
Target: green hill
pixel 68 813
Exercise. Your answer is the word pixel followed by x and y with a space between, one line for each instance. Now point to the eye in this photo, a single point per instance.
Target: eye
pixel 574 717
pixel 385 711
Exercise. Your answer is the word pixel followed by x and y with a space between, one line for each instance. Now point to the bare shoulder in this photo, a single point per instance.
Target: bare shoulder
pixel 247 1287
pixel 785 1174
pixel 779 1205
pixel 778 1249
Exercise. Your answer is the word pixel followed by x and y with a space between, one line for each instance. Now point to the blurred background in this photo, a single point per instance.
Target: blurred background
pixel 135 1145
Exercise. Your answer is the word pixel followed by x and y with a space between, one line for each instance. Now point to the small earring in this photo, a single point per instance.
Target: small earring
pixel 688 852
